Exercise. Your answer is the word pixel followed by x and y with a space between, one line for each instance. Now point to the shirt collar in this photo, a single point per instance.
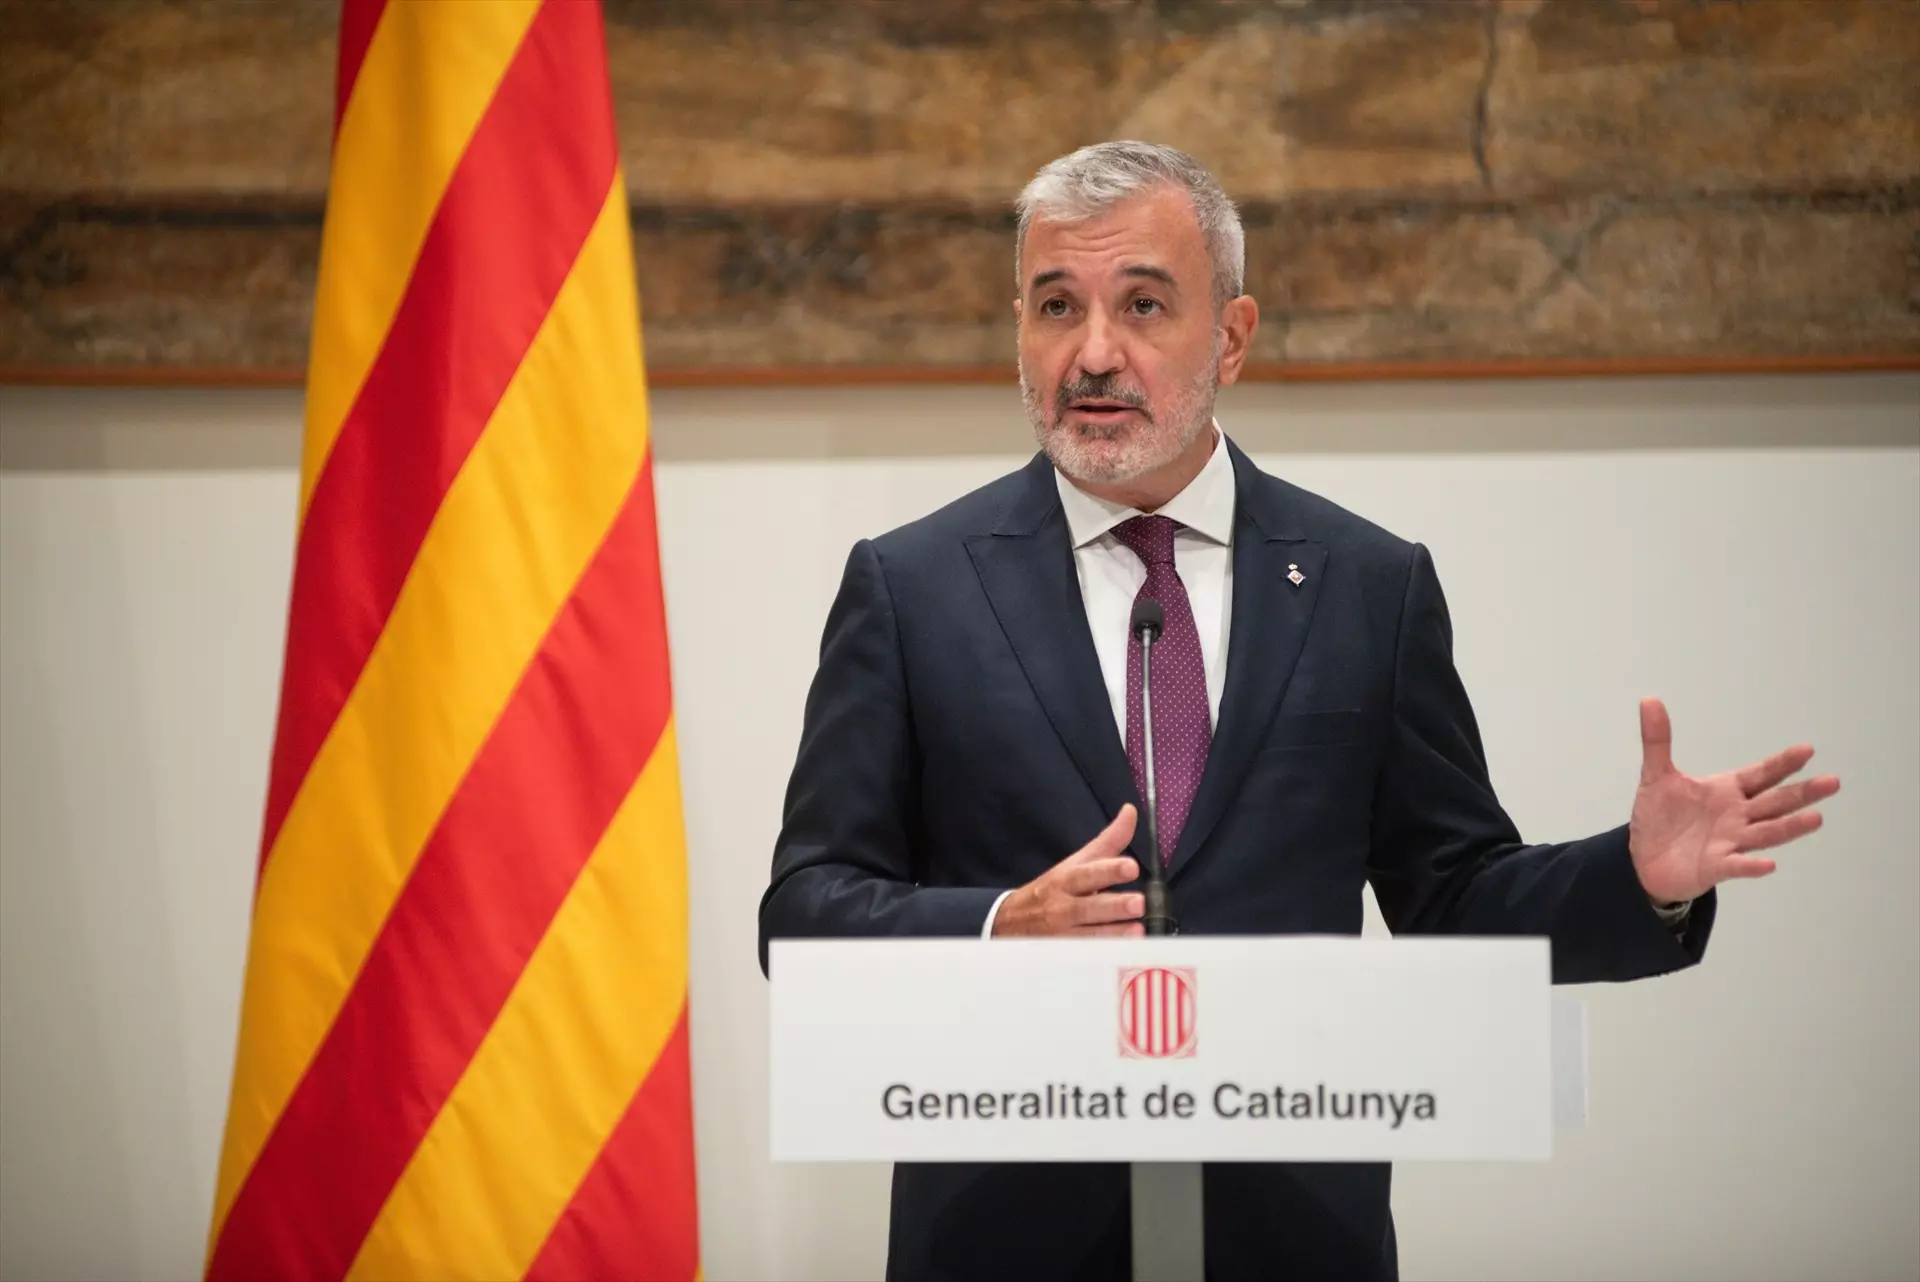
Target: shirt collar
pixel 1205 506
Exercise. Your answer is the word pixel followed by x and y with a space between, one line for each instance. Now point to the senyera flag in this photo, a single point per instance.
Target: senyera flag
pixel 463 1037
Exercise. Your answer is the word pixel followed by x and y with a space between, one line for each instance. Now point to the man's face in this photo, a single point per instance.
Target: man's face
pixel 1120 346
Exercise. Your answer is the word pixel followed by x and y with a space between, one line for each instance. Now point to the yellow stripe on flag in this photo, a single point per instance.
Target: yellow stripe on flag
pixel 508 544
pixel 429 73
pixel 590 1014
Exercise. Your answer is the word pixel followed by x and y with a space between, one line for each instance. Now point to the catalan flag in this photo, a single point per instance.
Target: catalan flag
pixel 463 1035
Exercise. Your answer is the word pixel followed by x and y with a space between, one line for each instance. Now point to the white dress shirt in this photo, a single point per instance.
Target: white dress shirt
pixel 1111 575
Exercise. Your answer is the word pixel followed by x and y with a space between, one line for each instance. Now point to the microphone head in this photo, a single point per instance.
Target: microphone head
pixel 1148 618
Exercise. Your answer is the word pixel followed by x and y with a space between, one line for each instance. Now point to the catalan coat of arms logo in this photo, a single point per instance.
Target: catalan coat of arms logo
pixel 1158 1012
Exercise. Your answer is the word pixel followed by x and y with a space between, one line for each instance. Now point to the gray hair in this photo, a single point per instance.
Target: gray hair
pixel 1094 179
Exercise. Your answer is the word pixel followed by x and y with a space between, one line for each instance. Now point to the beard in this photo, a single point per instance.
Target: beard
pixel 1117 453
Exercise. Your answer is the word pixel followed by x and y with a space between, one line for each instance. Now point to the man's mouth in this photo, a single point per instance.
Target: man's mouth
pixel 1101 411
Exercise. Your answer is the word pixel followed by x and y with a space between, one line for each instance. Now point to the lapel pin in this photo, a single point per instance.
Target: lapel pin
pixel 1294 576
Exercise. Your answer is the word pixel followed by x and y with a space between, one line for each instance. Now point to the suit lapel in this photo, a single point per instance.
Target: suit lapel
pixel 1271 616
pixel 1026 567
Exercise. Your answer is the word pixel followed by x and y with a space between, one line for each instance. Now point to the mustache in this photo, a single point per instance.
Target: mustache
pixel 1099 387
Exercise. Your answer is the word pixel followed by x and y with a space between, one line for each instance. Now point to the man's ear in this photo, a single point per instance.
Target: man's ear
pixel 1238 320
pixel 1016 311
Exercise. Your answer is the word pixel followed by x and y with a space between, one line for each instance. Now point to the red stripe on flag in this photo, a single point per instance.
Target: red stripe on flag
pixel 636 1214
pixel 358 19
pixel 1146 1012
pixel 1158 1010
pixel 507 232
pixel 574 737
pixel 1155 997
pixel 1169 1011
pixel 1168 1038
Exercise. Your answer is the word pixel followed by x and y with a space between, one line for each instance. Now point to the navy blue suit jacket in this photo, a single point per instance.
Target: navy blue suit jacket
pixel 959 740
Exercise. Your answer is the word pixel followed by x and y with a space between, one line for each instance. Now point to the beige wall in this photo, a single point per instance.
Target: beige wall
pixel 1749 549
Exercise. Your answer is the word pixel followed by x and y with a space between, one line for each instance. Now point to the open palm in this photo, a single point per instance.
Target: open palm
pixel 1690 834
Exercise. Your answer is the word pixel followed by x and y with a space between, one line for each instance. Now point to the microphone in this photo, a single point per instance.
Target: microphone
pixel 1149 621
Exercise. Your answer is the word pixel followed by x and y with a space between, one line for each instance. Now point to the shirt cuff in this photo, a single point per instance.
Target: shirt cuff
pixel 986 931
pixel 1673 916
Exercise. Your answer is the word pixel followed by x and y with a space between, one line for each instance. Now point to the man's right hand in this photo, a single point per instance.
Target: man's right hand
pixel 1072 897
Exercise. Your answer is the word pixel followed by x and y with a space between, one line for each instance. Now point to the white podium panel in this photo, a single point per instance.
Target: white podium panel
pixel 1162 1050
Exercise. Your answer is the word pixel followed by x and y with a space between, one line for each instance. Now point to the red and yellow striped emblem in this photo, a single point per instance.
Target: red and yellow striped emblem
pixel 463 1038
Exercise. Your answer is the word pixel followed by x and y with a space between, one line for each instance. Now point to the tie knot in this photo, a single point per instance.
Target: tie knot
pixel 1150 537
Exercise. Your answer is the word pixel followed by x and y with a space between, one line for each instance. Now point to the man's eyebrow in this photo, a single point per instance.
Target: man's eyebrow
pixel 1145 271
pixel 1151 272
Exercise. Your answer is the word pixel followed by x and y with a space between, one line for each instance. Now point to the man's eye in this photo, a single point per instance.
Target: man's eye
pixel 1145 306
pixel 1054 307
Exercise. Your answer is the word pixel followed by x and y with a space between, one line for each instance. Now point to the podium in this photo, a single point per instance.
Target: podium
pixel 1167 1053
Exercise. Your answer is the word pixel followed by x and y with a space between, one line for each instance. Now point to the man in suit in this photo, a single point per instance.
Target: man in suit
pixel 971 758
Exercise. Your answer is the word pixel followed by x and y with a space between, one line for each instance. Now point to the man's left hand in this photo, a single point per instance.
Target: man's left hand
pixel 1688 835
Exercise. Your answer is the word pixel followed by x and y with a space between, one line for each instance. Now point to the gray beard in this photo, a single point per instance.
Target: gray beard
pixel 1191 413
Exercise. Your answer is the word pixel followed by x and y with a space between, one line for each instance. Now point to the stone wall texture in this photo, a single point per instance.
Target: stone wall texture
pixel 825 186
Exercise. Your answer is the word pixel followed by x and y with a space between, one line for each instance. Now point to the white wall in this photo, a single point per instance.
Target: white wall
pixel 1749 549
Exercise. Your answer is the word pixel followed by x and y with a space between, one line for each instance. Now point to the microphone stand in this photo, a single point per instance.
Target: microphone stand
pixel 1168 1213
pixel 1148 622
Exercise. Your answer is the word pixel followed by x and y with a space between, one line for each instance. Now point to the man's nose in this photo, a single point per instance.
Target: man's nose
pixel 1101 351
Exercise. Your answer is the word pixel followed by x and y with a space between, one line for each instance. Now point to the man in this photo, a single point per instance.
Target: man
pixel 971 759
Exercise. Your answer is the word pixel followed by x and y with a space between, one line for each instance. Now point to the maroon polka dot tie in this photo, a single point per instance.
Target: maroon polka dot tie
pixel 1182 726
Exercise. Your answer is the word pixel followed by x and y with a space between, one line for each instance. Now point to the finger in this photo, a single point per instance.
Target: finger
pixel 1096 910
pixel 1118 930
pixel 1112 839
pixel 1740 866
pixel 1778 832
pixel 1762 775
pixel 1788 798
pixel 1089 878
pixel 1656 740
